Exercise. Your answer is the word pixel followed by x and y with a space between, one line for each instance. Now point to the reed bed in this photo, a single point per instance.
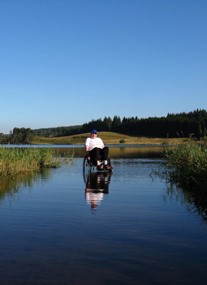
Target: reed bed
pixel 187 165
pixel 20 160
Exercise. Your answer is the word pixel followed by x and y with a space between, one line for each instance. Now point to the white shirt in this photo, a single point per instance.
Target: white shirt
pixel 94 142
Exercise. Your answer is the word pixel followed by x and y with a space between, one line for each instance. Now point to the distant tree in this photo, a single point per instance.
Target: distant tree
pixel 4 139
pixel 116 124
pixel 21 136
pixel 107 122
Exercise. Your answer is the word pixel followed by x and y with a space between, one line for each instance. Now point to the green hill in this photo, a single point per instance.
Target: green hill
pixel 108 138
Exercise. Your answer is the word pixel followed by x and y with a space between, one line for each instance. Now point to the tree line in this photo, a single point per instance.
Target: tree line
pixel 192 124
pixel 18 136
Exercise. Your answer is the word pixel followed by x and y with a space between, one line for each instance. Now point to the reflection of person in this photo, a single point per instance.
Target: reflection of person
pixel 97 185
pixel 97 151
pixel 94 199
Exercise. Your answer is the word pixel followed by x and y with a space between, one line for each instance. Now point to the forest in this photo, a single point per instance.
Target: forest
pixel 192 124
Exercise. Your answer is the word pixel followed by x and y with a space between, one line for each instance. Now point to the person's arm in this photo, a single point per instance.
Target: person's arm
pixel 87 146
pixel 102 143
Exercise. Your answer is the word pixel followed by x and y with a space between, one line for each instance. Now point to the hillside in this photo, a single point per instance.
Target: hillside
pixel 108 138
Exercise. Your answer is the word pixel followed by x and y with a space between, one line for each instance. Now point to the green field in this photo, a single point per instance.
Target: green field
pixel 108 138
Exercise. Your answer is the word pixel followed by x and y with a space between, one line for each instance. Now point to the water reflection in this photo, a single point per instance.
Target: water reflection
pixel 194 199
pixel 97 185
pixel 52 236
pixel 10 185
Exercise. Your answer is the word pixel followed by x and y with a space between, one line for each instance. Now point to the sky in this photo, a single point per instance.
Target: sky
pixel 67 62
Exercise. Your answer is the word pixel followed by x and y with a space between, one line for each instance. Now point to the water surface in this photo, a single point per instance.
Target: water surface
pixel 59 227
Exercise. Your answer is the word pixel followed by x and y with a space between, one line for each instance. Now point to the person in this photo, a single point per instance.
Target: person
pixel 97 151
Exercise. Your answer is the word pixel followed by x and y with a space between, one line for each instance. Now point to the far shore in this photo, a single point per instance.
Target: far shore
pixel 109 138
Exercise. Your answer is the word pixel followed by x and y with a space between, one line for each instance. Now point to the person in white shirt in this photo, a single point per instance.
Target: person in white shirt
pixel 97 151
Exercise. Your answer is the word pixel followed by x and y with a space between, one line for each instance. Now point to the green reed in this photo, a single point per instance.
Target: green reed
pixel 187 165
pixel 20 160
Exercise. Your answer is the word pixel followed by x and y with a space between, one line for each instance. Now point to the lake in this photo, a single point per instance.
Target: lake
pixel 63 227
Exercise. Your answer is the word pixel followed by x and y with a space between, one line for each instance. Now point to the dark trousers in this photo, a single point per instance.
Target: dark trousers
pixel 99 154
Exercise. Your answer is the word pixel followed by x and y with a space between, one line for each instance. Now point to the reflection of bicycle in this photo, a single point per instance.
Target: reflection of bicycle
pixel 97 184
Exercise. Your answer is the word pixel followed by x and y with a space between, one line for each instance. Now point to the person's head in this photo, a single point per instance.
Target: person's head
pixel 93 133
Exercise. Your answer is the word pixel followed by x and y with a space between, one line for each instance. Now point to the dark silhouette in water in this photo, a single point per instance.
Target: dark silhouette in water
pixel 97 185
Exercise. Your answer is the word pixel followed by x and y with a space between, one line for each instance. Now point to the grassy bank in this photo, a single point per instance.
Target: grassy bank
pixel 108 138
pixel 20 160
pixel 187 165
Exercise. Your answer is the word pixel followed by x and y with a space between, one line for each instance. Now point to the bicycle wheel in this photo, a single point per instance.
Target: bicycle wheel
pixel 86 167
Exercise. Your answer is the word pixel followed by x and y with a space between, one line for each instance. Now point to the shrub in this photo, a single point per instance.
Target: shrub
pixel 18 160
pixel 187 165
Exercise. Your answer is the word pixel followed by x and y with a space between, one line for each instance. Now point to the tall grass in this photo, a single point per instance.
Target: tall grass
pixel 187 165
pixel 20 160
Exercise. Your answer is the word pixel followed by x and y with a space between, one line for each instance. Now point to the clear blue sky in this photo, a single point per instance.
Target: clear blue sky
pixel 66 62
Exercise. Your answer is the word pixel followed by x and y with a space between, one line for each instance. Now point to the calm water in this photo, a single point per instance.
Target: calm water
pixel 60 227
